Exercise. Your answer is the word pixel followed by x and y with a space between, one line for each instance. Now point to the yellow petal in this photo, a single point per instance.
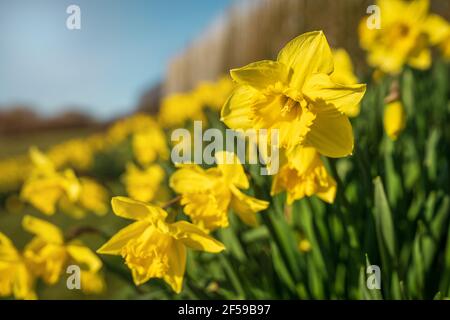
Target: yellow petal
pixel 246 207
pixel 302 158
pixel 237 110
pixel 177 266
pixel 261 74
pixel 394 119
pixel 331 134
pixel 24 284
pixel 194 237
pixel 115 244
pixel 324 92
pixel 136 210
pixel 7 250
pixel 84 255
pixel 191 178
pixel 437 28
pixel 307 54
pixel 421 60
pixel 43 229
pixel 231 168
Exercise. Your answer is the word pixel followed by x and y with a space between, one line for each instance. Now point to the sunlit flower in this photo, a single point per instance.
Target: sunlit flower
pixel 296 95
pixel 149 145
pixel 304 245
pixel 75 153
pixel 178 108
pixel 45 186
pixel 16 278
pixel 153 247
pixel 394 119
pixel 406 34
pixel 143 184
pixel 304 175
pixel 344 74
pixel 214 94
pixel 208 194
pixel 48 254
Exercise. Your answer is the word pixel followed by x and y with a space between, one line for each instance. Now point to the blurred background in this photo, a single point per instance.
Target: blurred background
pixel 57 84
pixel 129 54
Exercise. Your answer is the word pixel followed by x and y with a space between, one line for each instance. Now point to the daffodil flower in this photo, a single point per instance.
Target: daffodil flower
pixel 16 277
pixel 46 186
pixel 149 145
pixel 143 184
pixel 407 32
pixel 394 119
pixel 343 73
pixel 153 247
pixel 304 175
pixel 208 194
pixel 48 254
pixel 297 96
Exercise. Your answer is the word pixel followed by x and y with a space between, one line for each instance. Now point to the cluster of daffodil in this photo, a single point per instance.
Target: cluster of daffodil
pixel 45 257
pixel 308 95
pixel 406 35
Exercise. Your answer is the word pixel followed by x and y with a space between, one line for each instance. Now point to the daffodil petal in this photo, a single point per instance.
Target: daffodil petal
pixel 177 266
pixel 43 229
pixel 136 210
pixel 231 168
pixel 307 54
pixel 190 178
pixel 194 237
pixel 84 255
pixel 7 250
pixel 246 207
pixel 331 134
pixel 323 91
pixel 261 74
pixel 237 110
pixel 115 244
pixel 437 28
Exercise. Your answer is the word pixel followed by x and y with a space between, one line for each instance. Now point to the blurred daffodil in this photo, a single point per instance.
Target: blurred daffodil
pixel 214 94
pixel 45 186
pixel 149 145
pixel 304 175
pixel 143 184
pixel 48 254
pixel 344 74
pixel 406 34
pixel 394 119
pixel 16 278
pixel 153 247
pixel 297 96
pixel 207 194
pixel 178 108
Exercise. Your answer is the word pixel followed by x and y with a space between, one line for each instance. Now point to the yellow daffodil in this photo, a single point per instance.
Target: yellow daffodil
pixel 48 254
pixel 207 194
pixel 304 175
pixel 143 184
pixel 214 94
pixel 344 74
pixel 75 153
pixel 406 34
pixel 304 245
pixel 178 108
pixel 92 282
pixel 16 278
pixel 45 187
pixel 149 145
pixel 394 119
pixel 297 96
pixel 153 247
pixel 93 196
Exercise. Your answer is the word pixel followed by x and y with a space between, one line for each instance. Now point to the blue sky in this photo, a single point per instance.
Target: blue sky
pixel 122 49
